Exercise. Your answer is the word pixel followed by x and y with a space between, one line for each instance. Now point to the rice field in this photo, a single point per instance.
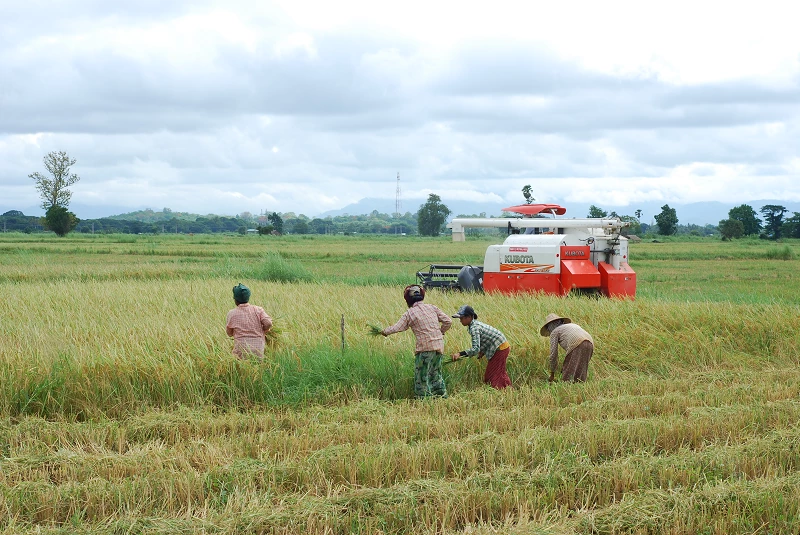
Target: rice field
pixel 122 409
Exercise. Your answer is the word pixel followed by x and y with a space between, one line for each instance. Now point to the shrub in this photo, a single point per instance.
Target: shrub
pixel 784 253
pixel 278 269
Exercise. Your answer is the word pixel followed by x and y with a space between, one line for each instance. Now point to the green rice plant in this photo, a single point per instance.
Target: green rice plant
pixel 122 408
pixel 783 253
pixel 275 268
pixel 43 395
pixel 374 330
pixel 377 279
pixel 273 337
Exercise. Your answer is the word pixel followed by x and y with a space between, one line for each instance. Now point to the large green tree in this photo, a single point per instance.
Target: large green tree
pixel 53 189
pixel 300 226
pixel 431 216
pixel 751 224
pixel 791 226
pixel 731 228
pixel 60 220
pixel 54 192
pixel 277 222
pixel 634 227
pixel 773 220
pixel 596 211
pixel 667 221
pixel 526 192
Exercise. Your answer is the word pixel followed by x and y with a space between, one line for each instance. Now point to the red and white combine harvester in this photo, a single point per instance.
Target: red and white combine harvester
pixel 543 254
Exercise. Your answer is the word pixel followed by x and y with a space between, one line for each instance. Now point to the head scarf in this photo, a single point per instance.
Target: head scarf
pixel 413 294
pixel 241 293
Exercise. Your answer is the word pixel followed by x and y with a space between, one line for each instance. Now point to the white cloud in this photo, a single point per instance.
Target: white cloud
pixel 453 192
pixel 294 43
pixel 305 106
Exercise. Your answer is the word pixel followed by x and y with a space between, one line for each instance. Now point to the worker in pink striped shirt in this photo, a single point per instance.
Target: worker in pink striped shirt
pixel 428 324
pixel 247 324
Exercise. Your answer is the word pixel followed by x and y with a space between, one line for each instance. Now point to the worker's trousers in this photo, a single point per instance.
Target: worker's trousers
pixel 428 380
pixel 576 363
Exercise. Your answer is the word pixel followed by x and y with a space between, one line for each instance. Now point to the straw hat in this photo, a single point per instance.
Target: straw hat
pixel 550 319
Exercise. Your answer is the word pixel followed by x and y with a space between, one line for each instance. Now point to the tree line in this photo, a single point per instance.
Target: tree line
pixel 428 221
pixel 742 221
pixel 16 221
pixel 54 191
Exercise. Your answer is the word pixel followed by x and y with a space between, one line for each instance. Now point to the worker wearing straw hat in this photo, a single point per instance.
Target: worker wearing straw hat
pixel 576 342
pixel 486 341
pixel 247 324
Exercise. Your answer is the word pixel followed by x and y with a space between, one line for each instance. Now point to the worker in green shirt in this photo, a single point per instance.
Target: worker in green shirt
pixel 486 342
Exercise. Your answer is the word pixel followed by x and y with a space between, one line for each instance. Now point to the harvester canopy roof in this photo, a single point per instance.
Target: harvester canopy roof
pixel 533 209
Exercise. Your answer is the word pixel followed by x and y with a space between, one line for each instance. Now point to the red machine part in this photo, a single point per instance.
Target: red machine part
pixel 617 282
pixel 576 271
pixel 521 282
pixel 533 209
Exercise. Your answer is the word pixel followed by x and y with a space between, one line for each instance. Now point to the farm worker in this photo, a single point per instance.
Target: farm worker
pixel 248 324
pixel 576 342
pixel 428 324
pixel 486 341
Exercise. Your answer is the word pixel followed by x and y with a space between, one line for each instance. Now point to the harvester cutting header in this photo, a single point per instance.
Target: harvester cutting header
pixel 543 254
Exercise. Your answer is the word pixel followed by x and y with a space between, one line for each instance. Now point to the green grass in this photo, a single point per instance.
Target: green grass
pixel 275 268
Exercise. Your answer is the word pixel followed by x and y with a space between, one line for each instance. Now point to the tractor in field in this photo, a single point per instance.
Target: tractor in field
pixel 553 255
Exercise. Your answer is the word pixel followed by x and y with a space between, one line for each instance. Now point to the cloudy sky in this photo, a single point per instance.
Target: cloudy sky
pixel 228 106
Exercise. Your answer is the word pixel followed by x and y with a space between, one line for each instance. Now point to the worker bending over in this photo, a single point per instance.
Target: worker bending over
pixel 486 341
pixel 576 342
pixel 428 324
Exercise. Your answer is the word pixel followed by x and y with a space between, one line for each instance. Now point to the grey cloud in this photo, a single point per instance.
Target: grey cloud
pixel 740 92
pixel 102 91
pixel 495 68
pixel 366 106
pixel 484 86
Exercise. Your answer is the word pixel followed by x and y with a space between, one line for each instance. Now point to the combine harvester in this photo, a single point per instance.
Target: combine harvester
pixel 543 254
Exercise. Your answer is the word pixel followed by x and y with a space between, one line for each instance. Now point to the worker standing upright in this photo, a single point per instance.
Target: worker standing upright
pixel 578 344
pixel 488 342
pixel 247 324
pixel 428 324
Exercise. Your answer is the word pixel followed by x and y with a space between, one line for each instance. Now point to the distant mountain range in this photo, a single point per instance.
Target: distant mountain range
pixel 698 213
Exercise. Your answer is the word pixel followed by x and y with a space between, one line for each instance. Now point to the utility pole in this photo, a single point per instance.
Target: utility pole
pixel 397 204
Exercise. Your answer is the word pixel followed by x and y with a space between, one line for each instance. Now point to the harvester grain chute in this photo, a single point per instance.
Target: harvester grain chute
pixel 543 254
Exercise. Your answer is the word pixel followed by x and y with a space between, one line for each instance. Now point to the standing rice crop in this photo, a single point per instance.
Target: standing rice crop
pixel 123 410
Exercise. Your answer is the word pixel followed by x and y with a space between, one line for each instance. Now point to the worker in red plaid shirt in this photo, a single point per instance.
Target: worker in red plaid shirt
pixel 428 324
pixel 248 324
